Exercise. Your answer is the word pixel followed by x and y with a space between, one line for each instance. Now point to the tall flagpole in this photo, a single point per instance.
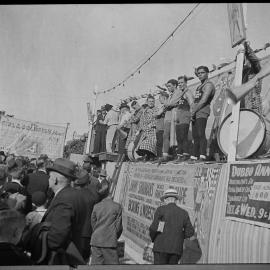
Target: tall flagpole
pixel 91 122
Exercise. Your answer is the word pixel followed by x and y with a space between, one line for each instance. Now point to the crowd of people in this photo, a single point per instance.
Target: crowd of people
pixel 159 133
pixel 60 213
pixel 56 212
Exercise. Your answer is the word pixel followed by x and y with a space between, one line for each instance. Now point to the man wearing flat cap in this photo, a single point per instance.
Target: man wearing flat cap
pixel 200 111
pixel 67 214
pixel 171 225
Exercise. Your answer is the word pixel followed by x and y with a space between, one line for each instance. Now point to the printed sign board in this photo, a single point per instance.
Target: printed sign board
pixel 25 138
pixel 248 197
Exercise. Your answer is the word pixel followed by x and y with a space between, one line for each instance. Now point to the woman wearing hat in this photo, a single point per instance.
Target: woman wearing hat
pixel 171 225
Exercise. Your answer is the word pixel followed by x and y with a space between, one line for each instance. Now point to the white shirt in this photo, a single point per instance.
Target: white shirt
pixel 124 118
pixel 111 118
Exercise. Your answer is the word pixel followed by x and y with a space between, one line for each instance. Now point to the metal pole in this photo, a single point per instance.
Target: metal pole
pixel 87 150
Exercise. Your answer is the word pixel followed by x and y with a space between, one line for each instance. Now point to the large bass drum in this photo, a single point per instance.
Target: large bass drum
pixel 133 147
pixel 253 135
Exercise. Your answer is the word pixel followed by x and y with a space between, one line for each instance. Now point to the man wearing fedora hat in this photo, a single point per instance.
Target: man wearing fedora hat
pixel 171 225
pixel 67 214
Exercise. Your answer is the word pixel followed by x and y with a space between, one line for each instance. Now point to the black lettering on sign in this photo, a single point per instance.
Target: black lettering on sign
pixel 147 211
pixel 182 191
pixel 133 206
pixel 146 189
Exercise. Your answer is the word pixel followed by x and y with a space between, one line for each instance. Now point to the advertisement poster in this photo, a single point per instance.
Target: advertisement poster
pixel 31 139
pixel 144 184
pixel 248 196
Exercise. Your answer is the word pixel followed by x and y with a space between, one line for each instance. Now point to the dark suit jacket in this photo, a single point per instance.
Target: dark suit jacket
pixel 94 186
pixel 67 214
pixel 90 199
pixel 106 222
pixel 38 181
pixel 177 227
pixel 12 255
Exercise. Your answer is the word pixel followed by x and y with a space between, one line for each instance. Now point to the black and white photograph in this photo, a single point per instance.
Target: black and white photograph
pixel 135 134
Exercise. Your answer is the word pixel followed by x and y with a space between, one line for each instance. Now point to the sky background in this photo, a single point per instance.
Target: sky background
pixel 54 56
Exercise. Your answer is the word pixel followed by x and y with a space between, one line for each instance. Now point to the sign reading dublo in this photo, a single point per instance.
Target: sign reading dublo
pixel 248 198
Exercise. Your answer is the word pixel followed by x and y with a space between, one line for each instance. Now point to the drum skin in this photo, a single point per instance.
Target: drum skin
pixel 253 135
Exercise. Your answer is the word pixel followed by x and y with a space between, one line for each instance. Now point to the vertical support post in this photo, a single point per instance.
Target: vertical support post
pixel 87 151
pixel 234 125
pixel 65 139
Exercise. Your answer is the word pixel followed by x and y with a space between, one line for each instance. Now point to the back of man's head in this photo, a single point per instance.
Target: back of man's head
pixel 12 224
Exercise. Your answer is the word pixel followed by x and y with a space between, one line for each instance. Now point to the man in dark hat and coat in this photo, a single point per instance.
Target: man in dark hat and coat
pixel 171 225
pixel 66 214
pixel 91 198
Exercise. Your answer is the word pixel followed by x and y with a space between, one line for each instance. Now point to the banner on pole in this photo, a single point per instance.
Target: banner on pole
pixel 236 23
pixel 26 138
pixel 248 197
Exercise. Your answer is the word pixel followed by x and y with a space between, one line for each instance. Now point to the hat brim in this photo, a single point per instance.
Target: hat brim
pixel 62 170
pixel 162 198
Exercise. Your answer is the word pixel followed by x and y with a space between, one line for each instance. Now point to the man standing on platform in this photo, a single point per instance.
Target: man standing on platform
pixel 171 225
pixel 111 120
pixel 171 103
pixel 183 120
pixel 200 112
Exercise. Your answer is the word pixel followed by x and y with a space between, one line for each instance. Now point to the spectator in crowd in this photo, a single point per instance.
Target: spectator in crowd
pixel 39 180
pixel 171 225
pixel 171 103
pixel 90 199
pixel 66 214
pixel 100 136
pixel 200 112
pixel 123 127
pixel 163 96
pixel 111 120
pixel 39 200
pixel 12 224
pixel 147 126
pixel 15 186
pixel 106 220
pixel 183 120
pixel 3 175
pixel 2 157
pixel 87 162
